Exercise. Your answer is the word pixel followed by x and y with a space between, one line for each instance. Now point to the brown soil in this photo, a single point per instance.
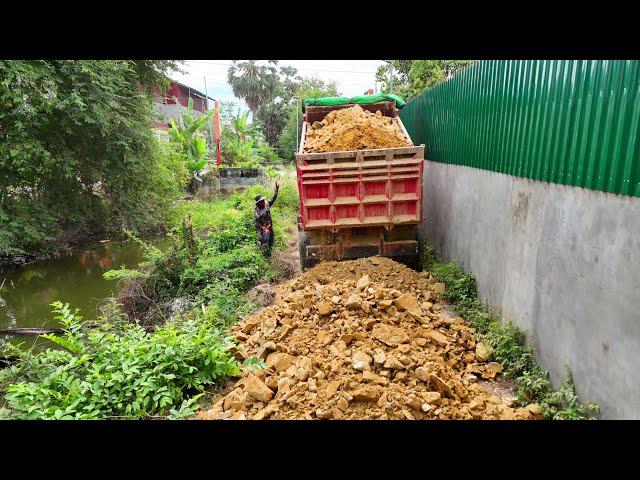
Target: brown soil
pixel 363 339
pixel 262 295
pixel 287 262
pixel 354 129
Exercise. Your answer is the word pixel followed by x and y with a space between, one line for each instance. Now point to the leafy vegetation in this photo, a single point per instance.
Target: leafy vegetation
pixel 307 88
pixel 238 139
pixel 117 371
pixel 509 347
pixel 188 140
pixel 78 152
pixel 214 259
pixel 412 77
pixel 269 91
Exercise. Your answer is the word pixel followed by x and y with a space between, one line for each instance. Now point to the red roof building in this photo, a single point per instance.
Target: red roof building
pixel 175 100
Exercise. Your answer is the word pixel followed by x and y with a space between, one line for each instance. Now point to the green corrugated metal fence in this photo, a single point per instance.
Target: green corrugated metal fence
pixel 563 121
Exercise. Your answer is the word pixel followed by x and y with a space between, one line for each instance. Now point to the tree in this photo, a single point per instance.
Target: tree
pixel 412 77
pixel 256 84
pixel 267 91
pixel 307 88
pixel 273 117
pixel 77 149
pixel 240 139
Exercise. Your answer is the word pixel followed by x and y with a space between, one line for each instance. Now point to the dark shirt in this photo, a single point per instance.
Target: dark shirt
pixel 262 217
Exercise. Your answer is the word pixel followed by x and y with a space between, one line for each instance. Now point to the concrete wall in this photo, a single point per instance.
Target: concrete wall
pixel 561 262
pixel 226 180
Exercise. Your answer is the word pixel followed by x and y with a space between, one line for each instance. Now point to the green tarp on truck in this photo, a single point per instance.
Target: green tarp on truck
pixel 360 99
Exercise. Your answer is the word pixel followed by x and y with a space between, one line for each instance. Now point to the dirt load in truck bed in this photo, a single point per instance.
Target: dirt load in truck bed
pixel 354 129
pixel 362 339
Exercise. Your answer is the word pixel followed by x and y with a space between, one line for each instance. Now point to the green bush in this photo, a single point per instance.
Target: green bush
pixel 77 151
pixel 117 371
pixel 215 257
pixel 509 346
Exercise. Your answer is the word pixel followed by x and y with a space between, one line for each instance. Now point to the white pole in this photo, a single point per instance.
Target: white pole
pixel 206 93
pixel 297 108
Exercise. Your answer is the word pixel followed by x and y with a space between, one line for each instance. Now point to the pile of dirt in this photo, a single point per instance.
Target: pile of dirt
pixel 363 339
pixel 354 129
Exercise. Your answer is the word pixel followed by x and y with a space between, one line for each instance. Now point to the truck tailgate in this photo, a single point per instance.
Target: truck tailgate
pixel 362 188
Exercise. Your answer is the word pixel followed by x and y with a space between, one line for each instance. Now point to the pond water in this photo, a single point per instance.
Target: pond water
pixel 76 278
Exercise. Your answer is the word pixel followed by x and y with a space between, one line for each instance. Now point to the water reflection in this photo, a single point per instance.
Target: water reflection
pixel 27 292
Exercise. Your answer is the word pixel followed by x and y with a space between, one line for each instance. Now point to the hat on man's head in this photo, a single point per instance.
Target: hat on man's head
pixel 259 198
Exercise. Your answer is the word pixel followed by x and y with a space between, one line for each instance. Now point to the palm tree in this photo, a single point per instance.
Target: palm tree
pixel 254 83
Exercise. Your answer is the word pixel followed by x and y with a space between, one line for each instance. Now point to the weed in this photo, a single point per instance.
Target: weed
pixel 117 373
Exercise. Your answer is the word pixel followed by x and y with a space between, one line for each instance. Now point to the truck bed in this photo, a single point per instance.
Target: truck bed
pixel 359 188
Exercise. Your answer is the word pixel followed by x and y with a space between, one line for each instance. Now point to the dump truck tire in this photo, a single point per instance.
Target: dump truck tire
pixel 420 238
pixel 417 261
pixel 303 241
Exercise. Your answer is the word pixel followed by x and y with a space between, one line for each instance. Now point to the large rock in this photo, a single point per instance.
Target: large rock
pixel 368 376
pixel 342 404
pixel 365 394
pixel 363 283
pixel 440 385
pixel 361 361
pixel 332 388
pixel 354 302
pixel 534 410
pixel 433 398
pixel 385 303
pixel 280 361
pixel 256 388
pixel 393 363
pixel 379 357
pixel 413 401
pixel 264 413
pixel 437 337
pixel 389 335
pixel 409 303
pixel 422 373
pixel 483 351
pixel 324 309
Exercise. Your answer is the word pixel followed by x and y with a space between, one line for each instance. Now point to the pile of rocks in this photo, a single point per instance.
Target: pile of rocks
pixel 363 339
pixel 354 129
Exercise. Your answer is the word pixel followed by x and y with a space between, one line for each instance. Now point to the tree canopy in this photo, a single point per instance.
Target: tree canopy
pixel 266 89
pixel 412 77
pixel 256 84
pixel 77 148
pixel 306 88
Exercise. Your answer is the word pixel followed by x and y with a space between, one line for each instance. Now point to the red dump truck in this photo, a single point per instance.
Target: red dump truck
pixel 360 203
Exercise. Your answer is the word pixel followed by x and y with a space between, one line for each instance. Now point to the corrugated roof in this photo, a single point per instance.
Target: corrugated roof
pixel 193 90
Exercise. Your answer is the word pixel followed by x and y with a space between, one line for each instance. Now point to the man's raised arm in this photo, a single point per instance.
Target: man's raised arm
pixel 275 194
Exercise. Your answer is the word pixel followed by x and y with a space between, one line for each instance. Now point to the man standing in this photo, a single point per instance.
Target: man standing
pixel 262 219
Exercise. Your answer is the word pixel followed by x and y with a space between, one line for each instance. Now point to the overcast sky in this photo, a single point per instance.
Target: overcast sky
pixel 353 77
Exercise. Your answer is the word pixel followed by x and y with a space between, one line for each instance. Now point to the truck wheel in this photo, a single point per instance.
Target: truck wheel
pixel 303 241
pixel 420 238
pixel 416 262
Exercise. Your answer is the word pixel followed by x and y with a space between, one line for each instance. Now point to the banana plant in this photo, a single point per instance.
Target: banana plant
pixel 242 129
pixel 188 140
